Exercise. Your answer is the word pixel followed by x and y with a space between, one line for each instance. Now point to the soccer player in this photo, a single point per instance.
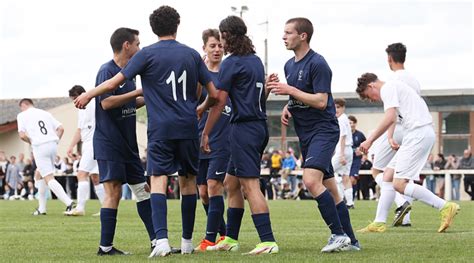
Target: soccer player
pixel 357 138
pixel 40 129
pixel 384 150
pixel 115 141
pixel 342 159
pixel 242 77
pixel 311 104
pixel 212 167
pixel 88 166
pixel 170 72
pixel 400 99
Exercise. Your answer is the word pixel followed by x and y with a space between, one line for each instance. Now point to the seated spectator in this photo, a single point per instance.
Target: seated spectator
pixel 289 165
pixel 302 193
pixel 366 182
pixel 28 175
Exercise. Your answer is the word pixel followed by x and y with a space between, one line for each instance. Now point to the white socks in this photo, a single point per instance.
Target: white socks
pixel 387 194
pixel 424 195
pixel 83 192
pixel 59 192
pixel 348 194
pixel 41 185
pixel 100 192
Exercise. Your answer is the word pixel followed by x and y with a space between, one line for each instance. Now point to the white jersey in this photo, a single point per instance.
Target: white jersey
pixel 409 105
pixel 39 125
pixel 86 121
pixel 345 129
pixel 408 79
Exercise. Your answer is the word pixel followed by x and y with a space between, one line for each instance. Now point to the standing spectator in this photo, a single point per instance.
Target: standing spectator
pixel 366 181
pixel 14 183
pixel 467 163
pixel 21 162
pixel 3 170
pixel 357 138
pixel 430 179
pixel 289 165
pixel 438 165
pixel 276 164
pixel 453 164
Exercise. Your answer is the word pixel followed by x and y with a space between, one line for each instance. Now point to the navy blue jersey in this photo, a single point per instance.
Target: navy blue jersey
pixel 115 137
pixel 219 137
pixel 170 72
pixel 311 75
pixel 243 77
pixel 357 138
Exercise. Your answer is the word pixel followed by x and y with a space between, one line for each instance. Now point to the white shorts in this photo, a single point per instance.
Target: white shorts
pixel 87 162
pixel 383 152
pixel 338 167
pixel 44 157
pixel 413 153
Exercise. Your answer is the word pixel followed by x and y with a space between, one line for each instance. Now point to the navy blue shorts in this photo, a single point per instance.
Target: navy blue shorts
pixel 130 172
pixel 317 154
pixel 355 167
pixel 247 143
pixel 171 156
pixel 213 168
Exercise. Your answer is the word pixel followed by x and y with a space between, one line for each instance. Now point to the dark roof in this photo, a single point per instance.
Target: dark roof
pixel 9 108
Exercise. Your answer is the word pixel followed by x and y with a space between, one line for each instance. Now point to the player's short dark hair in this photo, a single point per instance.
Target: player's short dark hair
pixel 340 102
pixel 26 101
pixel 206 34
pixel 363 82
pixel 120 36
pixel 234 30
pixel 164 21
pixel 352 118
pixel 397 51
pixel 302 25
pixel 76 90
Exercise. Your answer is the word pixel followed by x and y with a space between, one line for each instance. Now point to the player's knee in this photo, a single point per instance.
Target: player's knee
pixel 139 191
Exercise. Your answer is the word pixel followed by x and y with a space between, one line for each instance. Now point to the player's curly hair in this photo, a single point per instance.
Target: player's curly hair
pixel 363 82
pixel 234 30
pixel 397 51
pixel 164 21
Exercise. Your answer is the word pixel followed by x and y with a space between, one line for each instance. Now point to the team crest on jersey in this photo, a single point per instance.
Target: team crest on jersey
pixel 300 75
pixel 226 110
pixel 89 127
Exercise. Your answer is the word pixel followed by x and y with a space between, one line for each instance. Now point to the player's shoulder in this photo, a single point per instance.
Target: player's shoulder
pixel 108 66
pixel 317 59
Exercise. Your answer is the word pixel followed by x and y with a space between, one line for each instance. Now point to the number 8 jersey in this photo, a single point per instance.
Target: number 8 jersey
pixel 39 125
pixel 170 72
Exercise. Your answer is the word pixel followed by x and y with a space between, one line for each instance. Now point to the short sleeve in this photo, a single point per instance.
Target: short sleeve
pixel 389 96
pixel 20 123
pixel 226 75
pixel 321 76
pixel 136 65
pixel 102 76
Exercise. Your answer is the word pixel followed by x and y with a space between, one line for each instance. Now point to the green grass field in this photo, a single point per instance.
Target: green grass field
pixel 298 228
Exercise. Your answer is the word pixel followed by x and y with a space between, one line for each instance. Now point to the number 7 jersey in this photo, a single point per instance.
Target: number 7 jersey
pixel 39 125
pixel 170 72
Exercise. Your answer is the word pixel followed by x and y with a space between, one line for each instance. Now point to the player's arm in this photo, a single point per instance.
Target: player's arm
pixel 140 101
pixel 342 142
pixel 116 101
pixel 214 115
pixel 314 100
pixel 391 141
pixel 105 87
pixel 75 140
pixel 24 137
pixel 389 118
pixel 211 99
pixel 60 131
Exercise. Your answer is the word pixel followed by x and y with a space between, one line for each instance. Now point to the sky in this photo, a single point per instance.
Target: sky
pixel 48 46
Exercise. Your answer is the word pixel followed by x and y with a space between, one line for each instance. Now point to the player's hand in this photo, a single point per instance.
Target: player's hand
pixel 365 146
pixel 395 146
pixel 147 188
pixel 82 100
pixel 139 92
pixel 205 144
pixel 199 111
pixel 357 152
pixel 279 88
pixel 342 160
pixel 272 78
pixel 69 152
pixel 285 115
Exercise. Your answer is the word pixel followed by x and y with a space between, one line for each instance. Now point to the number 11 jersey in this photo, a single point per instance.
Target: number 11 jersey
pixel 170 72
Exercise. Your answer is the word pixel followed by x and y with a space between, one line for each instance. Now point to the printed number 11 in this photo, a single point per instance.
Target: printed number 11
pixel 172 79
